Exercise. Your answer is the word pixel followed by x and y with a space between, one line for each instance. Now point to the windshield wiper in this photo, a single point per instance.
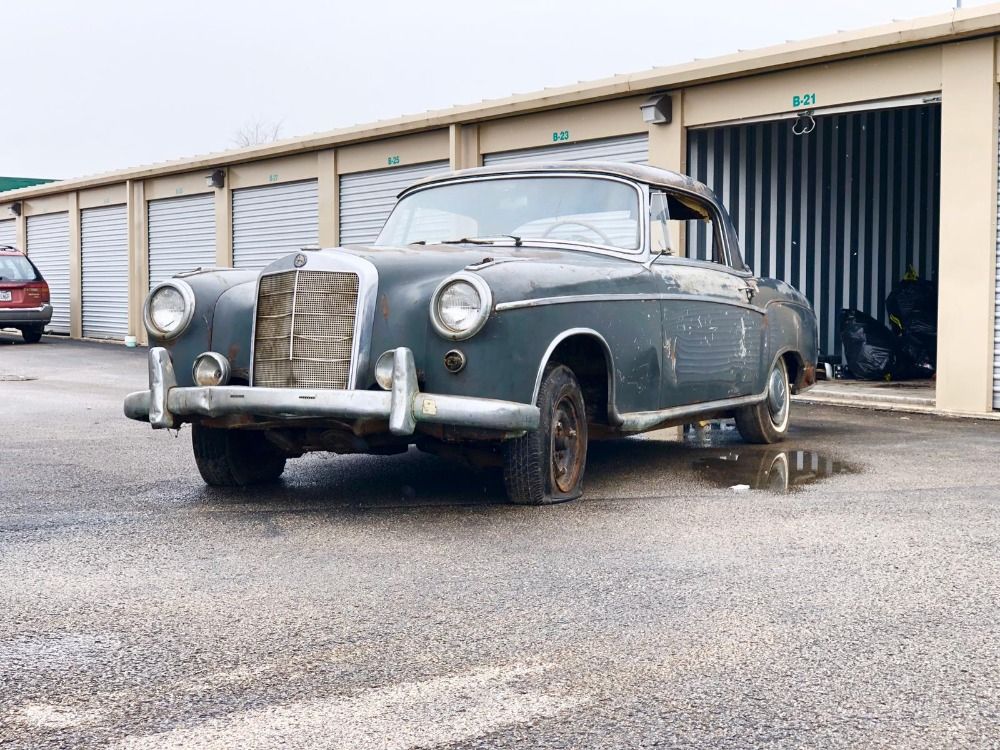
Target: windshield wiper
pixel 491 240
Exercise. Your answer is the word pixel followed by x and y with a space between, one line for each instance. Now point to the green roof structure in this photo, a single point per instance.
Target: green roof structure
pixel 12 183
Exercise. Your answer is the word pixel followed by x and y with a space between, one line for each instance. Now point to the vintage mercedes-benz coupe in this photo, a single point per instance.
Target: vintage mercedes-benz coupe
pixel 503 315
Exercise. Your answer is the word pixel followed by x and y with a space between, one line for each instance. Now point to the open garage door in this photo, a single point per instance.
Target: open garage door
pixel 104 260
pixel 8 232
pixel 273 220
pixel 367 198
pixel 48 248
pixel 181 235
pixel 840 212
pixel 629 148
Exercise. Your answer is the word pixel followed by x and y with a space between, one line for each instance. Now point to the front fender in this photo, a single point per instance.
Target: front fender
pixel 211 321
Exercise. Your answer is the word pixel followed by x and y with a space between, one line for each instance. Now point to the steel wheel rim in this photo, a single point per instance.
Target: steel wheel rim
pixel 777 397
pixel 566 445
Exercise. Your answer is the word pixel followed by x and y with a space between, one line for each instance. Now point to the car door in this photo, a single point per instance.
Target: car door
pixel 712 331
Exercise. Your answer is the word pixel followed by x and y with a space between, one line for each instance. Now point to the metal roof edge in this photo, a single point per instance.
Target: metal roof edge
pixel 946 27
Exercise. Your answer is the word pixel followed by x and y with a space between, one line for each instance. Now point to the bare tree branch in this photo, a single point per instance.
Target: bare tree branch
pixel 257 132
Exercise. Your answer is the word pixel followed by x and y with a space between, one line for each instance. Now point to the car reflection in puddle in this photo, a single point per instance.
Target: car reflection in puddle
pixel 770 470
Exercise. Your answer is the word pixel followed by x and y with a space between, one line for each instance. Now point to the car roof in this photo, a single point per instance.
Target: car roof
pixel 655 176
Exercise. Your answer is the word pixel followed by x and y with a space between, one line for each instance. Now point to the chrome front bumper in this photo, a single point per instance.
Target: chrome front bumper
pixel 25 315
pixel 166 405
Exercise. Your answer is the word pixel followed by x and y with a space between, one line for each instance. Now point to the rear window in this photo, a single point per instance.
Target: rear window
pixel 16 268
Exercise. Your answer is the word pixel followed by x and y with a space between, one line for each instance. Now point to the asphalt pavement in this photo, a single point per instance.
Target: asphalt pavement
pixel 397 602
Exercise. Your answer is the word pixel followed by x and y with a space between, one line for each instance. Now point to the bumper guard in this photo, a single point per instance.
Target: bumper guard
pixel 166 405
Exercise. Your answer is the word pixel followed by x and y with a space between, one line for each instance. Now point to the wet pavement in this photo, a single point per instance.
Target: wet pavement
pixel 847 597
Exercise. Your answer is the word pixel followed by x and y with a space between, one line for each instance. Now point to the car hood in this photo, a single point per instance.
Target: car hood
pixel 512 272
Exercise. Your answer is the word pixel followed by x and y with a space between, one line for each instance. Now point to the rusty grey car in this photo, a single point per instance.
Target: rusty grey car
pixel 503 316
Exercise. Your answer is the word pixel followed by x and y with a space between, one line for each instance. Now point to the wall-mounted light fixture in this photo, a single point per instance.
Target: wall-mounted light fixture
pixel 217 179
pixel 657 109
pixel 15 208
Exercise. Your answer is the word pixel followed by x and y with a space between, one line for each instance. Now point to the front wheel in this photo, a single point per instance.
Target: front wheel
pixel 235 458
pixel 546 465
pixel 767 421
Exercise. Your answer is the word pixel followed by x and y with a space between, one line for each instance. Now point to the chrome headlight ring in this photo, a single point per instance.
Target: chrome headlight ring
pixel 187 295
pixel 480 317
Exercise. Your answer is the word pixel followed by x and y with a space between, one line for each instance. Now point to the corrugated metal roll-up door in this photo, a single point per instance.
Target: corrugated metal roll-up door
pixel 181 235
pixel 996 306
pixel 633 149
pixel 104 251
pixel 273 220
pixel 8 232
pixel 367 198
pixel 839 212
pixel 48 248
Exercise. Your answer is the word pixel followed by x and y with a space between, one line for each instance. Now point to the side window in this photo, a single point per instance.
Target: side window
pixel 690 223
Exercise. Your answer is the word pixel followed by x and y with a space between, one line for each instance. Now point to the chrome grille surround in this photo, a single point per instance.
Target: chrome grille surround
pixel 306 329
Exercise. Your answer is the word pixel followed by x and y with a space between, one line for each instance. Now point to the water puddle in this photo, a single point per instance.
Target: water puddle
pixel 769 469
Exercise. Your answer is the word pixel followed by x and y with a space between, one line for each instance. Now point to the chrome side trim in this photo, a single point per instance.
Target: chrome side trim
pixel 566 300
pixel 641 421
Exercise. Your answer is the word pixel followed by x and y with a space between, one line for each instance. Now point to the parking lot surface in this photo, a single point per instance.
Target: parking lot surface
pixel 397 602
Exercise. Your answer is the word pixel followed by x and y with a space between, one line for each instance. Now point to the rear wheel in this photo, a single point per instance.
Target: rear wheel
pixel 767 421
pixel 235 458
pixel 31 334
pixel 547 465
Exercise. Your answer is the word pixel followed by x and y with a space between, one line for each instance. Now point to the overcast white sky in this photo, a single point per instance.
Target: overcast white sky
pixel 101 85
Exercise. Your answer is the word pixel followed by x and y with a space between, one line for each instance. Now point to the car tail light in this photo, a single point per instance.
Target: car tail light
pixel 37 292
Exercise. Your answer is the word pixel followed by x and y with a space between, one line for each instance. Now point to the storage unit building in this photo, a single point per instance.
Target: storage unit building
pixel 840 211
pixel 181 235
pixel 48 248
pixel 273 220
pixel 898 168
pixel 628 148
pixel 366 198
pixel 105 268
pixel 8 232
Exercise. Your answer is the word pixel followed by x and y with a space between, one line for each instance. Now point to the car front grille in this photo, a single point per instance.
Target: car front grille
pixel 304 332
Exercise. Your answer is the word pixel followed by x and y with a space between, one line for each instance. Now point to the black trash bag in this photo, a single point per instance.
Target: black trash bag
pixel 913 360
pixel 869 347
pixel 912 306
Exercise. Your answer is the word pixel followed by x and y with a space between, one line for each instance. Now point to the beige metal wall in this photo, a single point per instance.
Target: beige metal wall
pixel 965 73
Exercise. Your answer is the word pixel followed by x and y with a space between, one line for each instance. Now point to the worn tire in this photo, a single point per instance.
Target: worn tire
pixel 531 463
pixel 31 335
pixel 767 422
pixel 235 458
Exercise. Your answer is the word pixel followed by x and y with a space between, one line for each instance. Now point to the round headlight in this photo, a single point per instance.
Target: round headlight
pixel 209 369
pixel 383 369
pixel 168 309
pixel 460 306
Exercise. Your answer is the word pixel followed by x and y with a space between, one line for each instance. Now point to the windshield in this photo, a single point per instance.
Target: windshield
pixel 16 268
pixel 588 210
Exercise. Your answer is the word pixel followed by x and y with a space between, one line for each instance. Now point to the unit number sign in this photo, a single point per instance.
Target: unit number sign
pixel 803 100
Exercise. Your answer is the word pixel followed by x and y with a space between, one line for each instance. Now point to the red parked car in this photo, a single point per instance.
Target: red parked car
pixel 24 295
